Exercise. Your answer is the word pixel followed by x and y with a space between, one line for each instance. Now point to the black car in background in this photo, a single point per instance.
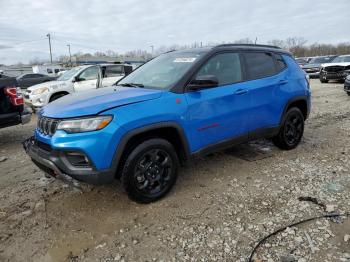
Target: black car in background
pixel 302 60
pixel 28 80
pixel 347 85
pixel 12 108
pixel 314 66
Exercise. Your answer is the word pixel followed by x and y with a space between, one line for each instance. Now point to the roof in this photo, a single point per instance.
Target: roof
pixel 269 48
pixel 113 64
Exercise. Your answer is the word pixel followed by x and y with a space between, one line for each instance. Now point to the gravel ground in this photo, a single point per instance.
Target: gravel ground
pixel 221 206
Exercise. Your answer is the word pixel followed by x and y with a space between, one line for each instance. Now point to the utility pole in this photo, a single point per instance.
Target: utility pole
pixel 152 47
pixel 70 56
pixel 48 35
pixel 256 40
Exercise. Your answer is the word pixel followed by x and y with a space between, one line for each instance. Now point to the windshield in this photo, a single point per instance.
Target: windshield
pixel 300 60
pixel 163 71
pixel 69 74
pixel 341 59
pixel 320 60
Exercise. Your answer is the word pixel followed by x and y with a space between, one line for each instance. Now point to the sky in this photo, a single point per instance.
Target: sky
pixel 101 25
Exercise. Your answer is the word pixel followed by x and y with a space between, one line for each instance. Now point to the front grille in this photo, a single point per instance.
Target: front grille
pixel 334 68
pixel 47 126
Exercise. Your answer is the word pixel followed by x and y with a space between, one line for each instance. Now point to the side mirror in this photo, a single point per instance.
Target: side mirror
pixel 203 82
pixel 76 79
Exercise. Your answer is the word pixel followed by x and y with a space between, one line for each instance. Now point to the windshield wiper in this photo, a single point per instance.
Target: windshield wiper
pixel 131 85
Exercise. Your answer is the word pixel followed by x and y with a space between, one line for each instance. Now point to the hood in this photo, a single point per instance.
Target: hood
pixel 336 64
pixel 95 101
pixel 50 84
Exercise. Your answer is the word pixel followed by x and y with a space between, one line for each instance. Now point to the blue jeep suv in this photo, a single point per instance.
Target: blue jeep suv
pixel 179 105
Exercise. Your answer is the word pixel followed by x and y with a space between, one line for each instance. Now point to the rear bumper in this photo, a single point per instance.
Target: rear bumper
pixel 12 119
pixel 54 163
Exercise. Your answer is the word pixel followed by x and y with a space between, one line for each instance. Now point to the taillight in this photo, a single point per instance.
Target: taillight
pixel 15 99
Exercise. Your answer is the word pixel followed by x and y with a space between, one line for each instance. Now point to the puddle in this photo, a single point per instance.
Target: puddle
pixel 251 152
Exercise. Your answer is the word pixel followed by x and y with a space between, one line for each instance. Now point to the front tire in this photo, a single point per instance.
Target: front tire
pixel 324 81
pixel 348 93
pixel 150 170
pixel 291 131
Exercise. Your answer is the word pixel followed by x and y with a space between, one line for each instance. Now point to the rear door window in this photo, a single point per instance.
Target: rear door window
pixel 226 67
pixel 280 63
pixel 259 65
pixel 112 71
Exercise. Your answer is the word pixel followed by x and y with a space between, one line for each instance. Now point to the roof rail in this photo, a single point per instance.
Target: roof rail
pixel 252 45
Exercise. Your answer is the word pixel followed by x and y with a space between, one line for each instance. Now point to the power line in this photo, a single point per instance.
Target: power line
pixel 77 44
pixel 20 43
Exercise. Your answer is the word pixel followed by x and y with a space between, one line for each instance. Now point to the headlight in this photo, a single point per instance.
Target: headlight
pixel 79 125
pixel 40 91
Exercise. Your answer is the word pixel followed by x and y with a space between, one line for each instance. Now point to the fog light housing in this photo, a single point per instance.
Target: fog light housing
pixel 78 159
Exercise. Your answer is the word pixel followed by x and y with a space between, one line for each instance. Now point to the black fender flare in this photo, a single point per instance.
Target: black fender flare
pixel 291 101
pixel 130 134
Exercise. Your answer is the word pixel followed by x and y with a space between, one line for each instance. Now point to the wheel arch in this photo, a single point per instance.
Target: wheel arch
pixel 171 131
pixel 298 102
pixel 58 93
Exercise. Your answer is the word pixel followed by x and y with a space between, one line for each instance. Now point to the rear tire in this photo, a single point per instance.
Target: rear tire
pixel 348 93
pixel 56 96
pixel 150 170
pixel 291 131
pixel 324 81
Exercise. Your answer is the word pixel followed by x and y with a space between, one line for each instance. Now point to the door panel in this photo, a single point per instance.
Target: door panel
pixel 85 85
pixel 264 95
pixel 264 85
pixel 220 113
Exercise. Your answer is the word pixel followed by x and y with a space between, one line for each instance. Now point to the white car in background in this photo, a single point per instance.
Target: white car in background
pixel 78 79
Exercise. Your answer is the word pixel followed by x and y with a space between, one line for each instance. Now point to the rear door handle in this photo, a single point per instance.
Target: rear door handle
pixel 283 81
pixel 241 91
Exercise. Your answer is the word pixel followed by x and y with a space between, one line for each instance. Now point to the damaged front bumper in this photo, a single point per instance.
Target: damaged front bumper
pixel 340 76
pixel 54 163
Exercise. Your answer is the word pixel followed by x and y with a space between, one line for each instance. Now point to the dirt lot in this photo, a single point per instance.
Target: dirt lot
pixel 221 206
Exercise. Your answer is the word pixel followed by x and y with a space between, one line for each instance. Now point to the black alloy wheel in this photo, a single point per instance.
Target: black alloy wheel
pixel 291 131
pixel 150 170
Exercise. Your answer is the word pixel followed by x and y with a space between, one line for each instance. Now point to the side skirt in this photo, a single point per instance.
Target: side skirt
pixel 254 135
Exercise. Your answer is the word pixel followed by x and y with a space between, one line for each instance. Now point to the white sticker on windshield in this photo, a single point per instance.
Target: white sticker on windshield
pixel 184 60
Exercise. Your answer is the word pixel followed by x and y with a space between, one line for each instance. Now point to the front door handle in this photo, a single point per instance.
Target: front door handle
pixel 241 91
